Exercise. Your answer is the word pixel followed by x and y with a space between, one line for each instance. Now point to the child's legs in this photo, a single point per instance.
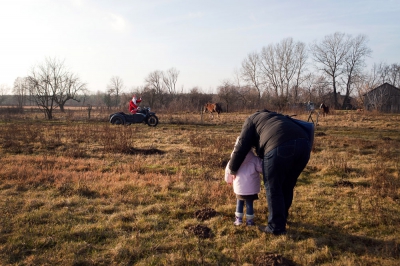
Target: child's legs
pixel 239 208
pixel 249 208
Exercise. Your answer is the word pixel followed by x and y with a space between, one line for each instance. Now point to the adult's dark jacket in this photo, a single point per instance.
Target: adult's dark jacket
pixel 264 130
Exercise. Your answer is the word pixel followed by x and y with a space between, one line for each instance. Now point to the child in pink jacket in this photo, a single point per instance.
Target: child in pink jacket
pixel 246 185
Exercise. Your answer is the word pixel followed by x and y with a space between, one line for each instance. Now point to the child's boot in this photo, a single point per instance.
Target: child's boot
pixel 238 218
pixel 250 220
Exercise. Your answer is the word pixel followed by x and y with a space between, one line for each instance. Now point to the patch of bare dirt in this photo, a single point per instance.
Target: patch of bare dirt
pixel 133 151
pixel 271 259
pixel 199 230
pixel 205 214
pixel 343 183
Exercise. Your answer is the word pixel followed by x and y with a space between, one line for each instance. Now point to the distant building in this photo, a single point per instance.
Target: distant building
pixel 329 100
pixel 384 98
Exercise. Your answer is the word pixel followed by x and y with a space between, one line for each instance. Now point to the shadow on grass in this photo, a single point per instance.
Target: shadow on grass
pixel 341 242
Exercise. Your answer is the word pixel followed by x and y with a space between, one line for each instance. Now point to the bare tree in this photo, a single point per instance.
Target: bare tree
pixel 285 51
pixel 301 57
pixel 308 87
pixel 383 72
pixel 389 73
pixel 108 99
pixel 271 67
pixel 361 86
pixel 196 99
pixel 244 94
pixel 45 83
pixel 70 89
pixel 283 67
pixel 394 75
pixel 354 63
pixel 114 89
pixel 228 93
pixel 154 82
pixel 251 72
pixel 149 95
pixel 170 78
pixel 42 91
pixel 20 91
pixel 372 80
pixel 316 87
pixel 329 56
pixel 50 85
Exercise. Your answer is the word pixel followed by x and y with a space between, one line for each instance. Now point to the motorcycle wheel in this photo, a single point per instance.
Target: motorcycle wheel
pixel 117 121
pixel 152 121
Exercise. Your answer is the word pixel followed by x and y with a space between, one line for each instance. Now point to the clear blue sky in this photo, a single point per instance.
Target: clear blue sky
pixel 206 40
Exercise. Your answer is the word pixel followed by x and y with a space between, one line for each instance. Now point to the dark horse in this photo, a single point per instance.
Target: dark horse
pixel 211 108
pixel 325 109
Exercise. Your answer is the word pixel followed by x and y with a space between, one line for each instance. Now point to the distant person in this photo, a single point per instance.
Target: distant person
pixel 285 149
pixel 133 107
pixel 246 185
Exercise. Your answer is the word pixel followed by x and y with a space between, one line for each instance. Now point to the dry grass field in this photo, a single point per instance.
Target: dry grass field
pixel 75 191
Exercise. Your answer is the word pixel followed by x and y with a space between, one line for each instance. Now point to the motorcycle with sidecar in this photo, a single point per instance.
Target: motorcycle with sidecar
pixel 144 115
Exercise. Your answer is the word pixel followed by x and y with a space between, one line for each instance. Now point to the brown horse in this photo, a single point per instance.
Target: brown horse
pixel 325 109
pixel 211 108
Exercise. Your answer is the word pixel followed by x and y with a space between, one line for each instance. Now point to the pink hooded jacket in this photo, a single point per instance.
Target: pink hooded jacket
pixel 247 181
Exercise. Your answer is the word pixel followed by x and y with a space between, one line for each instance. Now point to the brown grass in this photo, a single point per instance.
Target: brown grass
pixel 75 191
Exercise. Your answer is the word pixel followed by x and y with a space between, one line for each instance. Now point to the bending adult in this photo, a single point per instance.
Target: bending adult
pixel 285 149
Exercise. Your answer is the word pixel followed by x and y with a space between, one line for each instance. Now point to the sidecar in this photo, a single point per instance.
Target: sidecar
pixel 121 118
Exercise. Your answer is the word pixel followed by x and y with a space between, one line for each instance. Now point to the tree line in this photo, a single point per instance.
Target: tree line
pixel 281 75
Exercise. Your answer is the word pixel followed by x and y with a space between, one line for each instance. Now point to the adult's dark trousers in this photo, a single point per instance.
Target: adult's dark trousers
pixel 281 168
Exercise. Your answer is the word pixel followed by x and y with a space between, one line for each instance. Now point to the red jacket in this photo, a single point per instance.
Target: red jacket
pixel 133 107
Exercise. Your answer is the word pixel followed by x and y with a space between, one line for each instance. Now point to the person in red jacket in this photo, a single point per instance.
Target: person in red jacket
pixel 133 108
